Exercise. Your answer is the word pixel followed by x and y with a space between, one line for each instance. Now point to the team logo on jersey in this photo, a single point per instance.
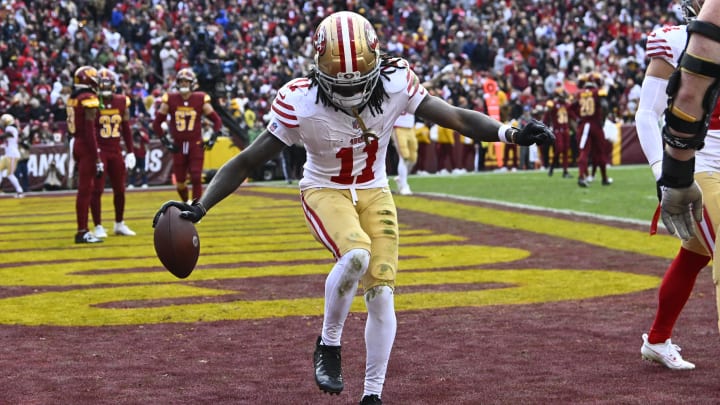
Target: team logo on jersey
pixel 320 41
pixel 356 125
pixel 372 39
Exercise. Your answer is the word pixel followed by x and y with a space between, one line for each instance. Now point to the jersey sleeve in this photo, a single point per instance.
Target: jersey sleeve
pixel 90 102
pixel 401 79
pixel 284 119
pixel 666 43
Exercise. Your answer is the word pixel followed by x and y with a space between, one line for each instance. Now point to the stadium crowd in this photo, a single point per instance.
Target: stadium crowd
pixel 243 51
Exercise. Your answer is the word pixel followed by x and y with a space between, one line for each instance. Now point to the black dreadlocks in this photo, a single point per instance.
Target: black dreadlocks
pixel 388 65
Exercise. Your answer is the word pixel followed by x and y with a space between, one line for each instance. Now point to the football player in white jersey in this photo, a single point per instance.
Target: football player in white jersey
pixel 664 48
pixel 343 112
pixel 9 136
pixel 407 146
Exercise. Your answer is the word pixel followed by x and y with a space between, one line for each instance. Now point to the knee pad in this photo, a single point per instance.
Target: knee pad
pixel 358 261
pixel 675 118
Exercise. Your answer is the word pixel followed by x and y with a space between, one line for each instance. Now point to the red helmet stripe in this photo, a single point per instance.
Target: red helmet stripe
pixel 346 42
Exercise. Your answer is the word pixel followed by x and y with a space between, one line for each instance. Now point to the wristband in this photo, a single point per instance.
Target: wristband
pixel 502 131
pixel 197 203
pixel 677 173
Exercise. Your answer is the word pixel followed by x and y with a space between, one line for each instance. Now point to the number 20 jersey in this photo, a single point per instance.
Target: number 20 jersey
pixel 337 154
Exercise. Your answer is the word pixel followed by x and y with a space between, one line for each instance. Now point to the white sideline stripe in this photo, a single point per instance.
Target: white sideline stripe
pixel 542 209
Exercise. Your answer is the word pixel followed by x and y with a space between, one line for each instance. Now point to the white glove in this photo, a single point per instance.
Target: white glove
pixel 130 161
pixel 681 208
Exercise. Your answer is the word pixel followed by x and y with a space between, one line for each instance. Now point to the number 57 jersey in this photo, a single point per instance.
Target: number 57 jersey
pixel 338 155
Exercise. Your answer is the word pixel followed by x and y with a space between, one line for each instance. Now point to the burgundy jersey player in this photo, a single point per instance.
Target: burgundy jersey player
pixel 82 108
pixel 186 107
pixel 113 124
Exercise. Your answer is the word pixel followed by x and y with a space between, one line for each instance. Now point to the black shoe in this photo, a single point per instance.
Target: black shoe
pixel 582 183
pixel 550 172
pixel 86 237
pixel 567 175
pixel 328 371
pixel 370 399
pixel 607 182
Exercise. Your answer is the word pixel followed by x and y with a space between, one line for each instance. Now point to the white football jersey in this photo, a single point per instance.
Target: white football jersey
pixel 337 154
pixel 11 143
pixel 668 43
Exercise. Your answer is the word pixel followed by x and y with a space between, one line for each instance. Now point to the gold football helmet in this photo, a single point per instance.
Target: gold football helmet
pixel 106 85
pixel 185 81
pixel 86 77
pixel 6 120
pixel 347 58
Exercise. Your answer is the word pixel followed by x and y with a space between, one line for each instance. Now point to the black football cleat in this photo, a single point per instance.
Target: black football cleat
pixel 328 370
pixel 582 183
pixel 371 400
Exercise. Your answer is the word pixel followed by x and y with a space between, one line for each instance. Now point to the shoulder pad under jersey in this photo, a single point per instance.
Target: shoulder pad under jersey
pixel 298 96
pixel 397 76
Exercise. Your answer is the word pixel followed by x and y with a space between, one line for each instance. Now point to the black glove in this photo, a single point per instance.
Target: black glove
pixel 210 142
pixel 534 132
pixel 192 212
pixel 99 169
pixel 169 144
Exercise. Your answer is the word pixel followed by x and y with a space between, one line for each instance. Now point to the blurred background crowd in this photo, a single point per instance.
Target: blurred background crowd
pixel 243 51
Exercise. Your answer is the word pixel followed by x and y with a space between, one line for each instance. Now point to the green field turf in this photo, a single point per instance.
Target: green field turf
pixel 632 194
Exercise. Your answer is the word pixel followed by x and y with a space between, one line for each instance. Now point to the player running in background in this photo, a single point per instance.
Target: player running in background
pixel 113 124
pixel 406 144
pixel 664 48
pixel 343 112
pixel 82 111
pixel 9 138
pixel 186 108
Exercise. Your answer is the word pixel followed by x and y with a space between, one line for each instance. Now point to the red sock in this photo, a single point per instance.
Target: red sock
pixel 675 289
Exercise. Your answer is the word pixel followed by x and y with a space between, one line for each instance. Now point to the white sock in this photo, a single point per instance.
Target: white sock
pixel 340 288
pixel 14 181
pixel 379 336
pixel 402 173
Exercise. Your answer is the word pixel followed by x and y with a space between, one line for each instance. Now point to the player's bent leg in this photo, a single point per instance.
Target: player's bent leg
pixel 340 288
pixel 380 330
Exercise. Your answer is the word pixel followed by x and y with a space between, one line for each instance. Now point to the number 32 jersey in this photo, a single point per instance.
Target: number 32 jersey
pixel 338 155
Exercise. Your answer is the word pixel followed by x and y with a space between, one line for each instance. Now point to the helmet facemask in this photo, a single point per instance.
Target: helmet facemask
pixel 347 59
pixel 185 81
pixel 106 85
pixel 690 9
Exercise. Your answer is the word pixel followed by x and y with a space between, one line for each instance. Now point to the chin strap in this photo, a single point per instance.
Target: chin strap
pixel 679 120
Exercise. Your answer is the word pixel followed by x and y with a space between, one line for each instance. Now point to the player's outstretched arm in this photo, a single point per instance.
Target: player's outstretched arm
pixel 482 127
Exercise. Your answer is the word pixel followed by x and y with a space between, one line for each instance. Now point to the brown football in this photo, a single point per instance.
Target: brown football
pixel 177 243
